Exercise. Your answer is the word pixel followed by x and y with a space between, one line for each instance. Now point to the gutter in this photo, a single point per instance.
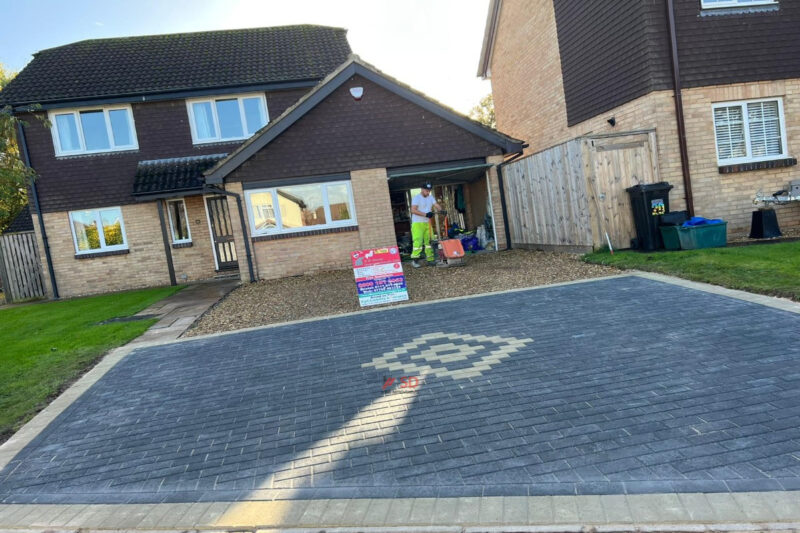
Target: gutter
pixel 676 83
pixel 23 144
pixel 214 190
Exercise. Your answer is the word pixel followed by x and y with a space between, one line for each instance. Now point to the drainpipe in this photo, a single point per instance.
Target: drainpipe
pixel 676 83
pixel 165 238
pixel 503 197
pixel 26 158
pixel 214 190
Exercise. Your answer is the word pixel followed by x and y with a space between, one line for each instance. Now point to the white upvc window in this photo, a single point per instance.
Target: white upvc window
pixel 749 131
pixel 98 230
pixel 714 4
pixel 297 208
pixel 227 118
pixel 93 130
pixel 179 221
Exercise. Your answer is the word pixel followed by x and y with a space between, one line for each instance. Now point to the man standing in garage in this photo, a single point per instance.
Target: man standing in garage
pixel 422 206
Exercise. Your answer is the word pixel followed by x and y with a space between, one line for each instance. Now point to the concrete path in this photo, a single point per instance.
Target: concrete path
pixel 624 401
pixel 179 311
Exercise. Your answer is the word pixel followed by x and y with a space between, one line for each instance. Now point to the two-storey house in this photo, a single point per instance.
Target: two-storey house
pixel 261 152
pixel 717 80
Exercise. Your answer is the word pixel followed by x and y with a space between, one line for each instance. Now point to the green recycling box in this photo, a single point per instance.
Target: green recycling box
pixel 693 237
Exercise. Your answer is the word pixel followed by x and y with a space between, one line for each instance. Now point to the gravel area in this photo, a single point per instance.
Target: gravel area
pixel 328 293
pixel 789 232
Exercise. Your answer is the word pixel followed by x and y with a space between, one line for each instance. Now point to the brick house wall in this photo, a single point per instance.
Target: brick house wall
pixel 530 104
pixel 144 266
pixel 293 256
pixel 104 180
pixel 195 262
pixel 341 134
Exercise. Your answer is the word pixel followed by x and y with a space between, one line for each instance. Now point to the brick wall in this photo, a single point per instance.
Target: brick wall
pixel 341 134
pixel 497 208
pixel 99 180
pixel 526 75
pixel 530 105
pixel 197 261
pixel 144 266
pixel 373 207
pixel 729 196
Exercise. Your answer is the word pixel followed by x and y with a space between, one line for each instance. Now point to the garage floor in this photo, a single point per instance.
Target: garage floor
pixel 615 386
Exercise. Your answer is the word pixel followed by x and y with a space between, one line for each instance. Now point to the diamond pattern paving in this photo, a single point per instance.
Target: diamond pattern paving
pixel 614 386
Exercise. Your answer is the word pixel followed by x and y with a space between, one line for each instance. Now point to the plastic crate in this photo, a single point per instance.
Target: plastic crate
pixel 694 237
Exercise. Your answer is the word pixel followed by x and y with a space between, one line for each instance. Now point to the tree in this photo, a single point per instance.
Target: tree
pixel 484 112
pixel 14 174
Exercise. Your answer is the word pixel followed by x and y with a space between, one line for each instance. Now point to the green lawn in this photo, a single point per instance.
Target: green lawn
pixel 772 269
pixel 46 346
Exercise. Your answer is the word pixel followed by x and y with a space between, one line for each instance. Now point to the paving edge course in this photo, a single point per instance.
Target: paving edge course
pixel 602 514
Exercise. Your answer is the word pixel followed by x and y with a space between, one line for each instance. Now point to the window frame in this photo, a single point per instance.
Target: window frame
pixel 172 225
pixel 212 100
pixel 746 127
pixel 75 112
pixel 280 230
pixel 736 3
pixel 101 234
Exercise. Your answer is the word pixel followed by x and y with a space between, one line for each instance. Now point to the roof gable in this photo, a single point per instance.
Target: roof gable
pixel 354 67
pixel 107 68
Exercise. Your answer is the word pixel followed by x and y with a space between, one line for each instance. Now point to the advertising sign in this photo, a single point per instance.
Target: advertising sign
pixel 379 276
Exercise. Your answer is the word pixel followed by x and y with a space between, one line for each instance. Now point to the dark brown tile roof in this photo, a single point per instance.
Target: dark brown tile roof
pixel 22 222
pixel 104 68
pixel 178 174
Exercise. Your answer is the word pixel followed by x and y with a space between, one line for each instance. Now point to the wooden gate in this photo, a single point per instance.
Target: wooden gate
pixel 567 196
pixel 619 162
pixel 20 267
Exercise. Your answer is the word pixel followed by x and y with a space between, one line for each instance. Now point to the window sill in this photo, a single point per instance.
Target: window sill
pixel 177 245
pixel 95 154
pixel 218 143
pixel 758 165
pixel 739 10
pixel 96 255
pixel 291 235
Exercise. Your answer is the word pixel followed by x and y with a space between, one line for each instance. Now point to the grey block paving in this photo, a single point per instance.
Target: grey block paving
pixel 629 386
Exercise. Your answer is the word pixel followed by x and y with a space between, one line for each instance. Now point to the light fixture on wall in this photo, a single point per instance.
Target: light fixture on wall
pixel 612 121
pixel 357 92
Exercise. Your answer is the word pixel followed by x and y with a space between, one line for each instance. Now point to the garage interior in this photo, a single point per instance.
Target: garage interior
pixel 461 188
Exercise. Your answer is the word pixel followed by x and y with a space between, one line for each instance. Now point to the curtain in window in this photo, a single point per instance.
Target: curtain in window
pixel 203 121
pixel 67 133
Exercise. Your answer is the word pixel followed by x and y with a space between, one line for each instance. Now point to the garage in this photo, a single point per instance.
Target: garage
pixel 461 188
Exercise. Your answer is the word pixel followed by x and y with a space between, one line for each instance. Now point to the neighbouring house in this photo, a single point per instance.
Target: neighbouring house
pixel 607 72
pixel 258 153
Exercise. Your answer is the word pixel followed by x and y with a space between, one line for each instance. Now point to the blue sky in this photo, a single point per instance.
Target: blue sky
pixel 433 45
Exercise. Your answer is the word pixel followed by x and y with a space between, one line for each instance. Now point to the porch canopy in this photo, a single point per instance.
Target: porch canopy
pixel 171 178
pixel 447 173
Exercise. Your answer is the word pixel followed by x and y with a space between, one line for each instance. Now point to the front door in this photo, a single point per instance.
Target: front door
pixel 222 233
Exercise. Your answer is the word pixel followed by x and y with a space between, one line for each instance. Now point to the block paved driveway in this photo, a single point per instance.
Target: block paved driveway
pixel 622 385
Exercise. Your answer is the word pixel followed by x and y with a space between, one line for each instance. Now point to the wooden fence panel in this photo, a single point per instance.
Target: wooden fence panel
pixel 20 267
pixel 548 204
